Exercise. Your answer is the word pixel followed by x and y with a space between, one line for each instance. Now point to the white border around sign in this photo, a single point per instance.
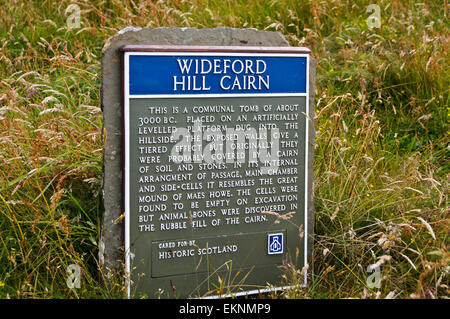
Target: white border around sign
pixel 126 115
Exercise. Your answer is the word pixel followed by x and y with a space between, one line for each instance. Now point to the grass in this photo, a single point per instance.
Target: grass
pixel 382 140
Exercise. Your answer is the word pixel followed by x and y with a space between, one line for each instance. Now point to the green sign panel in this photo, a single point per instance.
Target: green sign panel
pixel 216 170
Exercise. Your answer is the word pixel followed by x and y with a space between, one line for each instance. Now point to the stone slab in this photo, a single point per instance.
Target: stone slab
pixel 111 253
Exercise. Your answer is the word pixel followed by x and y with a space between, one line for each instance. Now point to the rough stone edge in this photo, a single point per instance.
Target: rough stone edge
pixel 111 252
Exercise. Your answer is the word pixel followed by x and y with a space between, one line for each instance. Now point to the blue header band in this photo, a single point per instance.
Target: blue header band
pixel 200 74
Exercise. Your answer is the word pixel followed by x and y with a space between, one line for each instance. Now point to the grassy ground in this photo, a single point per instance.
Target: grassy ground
pixel 382 139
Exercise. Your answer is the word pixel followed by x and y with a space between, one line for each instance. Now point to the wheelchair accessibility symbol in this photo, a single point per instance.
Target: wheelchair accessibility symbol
pixel 275 244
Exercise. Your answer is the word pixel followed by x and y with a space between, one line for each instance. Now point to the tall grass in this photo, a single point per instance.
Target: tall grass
pixel 382 141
